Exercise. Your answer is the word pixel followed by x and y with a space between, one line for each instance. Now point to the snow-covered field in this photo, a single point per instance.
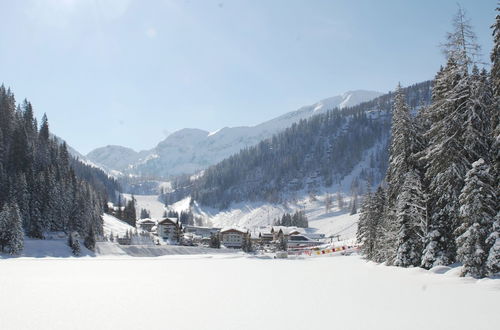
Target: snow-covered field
pixel 114 225
pixel 148 202
pixel 237 292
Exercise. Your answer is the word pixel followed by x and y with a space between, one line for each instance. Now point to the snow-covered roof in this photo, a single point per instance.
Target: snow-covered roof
pixel 146 221
pixel 241 230
pixel 168 220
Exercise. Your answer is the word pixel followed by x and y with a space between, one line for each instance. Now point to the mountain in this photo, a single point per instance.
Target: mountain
pixel 114 157
pixel 191 150
pixel 341 148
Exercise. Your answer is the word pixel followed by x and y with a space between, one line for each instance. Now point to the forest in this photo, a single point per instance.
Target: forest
pixel 439 201
pixel 42 187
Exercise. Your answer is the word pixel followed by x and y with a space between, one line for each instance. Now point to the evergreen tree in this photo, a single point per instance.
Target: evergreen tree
pixel 405 143
pixel 90 239
pixel 145 214
pixel 11 230
pixel 412 222
pixel 446 165
pixel 493 240
pixel 365 234
pixel 4 229
pixel 74 243
pixel 478 203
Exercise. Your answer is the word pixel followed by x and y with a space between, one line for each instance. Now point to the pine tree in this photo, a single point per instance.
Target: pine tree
pixel 4 229
pixel 90 239
pixel 367 227
pixel 74 243
pixel 446 165
pixel 382 237
pixel 11 230
pixel 405 143
pixel 478 203
pixel 354 204
pixel 412 223
pixel 493 240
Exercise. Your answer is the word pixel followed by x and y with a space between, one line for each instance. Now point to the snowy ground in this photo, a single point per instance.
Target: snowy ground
pixel 235 292
pixel 115 225
pixel 148 202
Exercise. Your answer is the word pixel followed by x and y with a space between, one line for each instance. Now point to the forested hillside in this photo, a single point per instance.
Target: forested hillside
pixel 42 188
pixel 319 151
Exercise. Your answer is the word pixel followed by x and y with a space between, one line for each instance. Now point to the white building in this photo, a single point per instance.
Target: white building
pixel 232 237
pixel 169 230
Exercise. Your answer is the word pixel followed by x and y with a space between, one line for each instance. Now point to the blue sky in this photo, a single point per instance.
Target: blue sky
pixel 128 72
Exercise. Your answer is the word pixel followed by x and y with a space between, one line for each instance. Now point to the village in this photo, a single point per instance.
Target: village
pixel 171 231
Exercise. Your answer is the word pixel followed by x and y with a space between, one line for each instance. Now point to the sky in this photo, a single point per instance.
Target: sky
pixel 129 72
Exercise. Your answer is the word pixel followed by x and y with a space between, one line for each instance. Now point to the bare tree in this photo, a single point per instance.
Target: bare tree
pixel 461 44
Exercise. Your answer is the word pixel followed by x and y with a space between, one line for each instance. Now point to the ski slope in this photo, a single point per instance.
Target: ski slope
pixel 148 202
pixel 115 225
pixel 225 292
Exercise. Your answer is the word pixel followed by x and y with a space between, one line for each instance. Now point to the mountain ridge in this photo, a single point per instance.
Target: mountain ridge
pixel 189 150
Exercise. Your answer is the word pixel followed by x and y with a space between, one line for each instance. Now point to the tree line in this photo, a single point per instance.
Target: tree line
pixel 439 203
pixel 298 219
pixel 42 188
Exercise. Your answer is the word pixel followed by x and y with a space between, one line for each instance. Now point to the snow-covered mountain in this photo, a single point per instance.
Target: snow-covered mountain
pixel 190 150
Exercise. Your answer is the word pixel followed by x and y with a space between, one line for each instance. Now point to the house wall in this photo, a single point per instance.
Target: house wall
pixel 232 239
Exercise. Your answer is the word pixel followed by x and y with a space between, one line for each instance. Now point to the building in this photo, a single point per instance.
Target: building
pixel 146 225
pixel 204 232
pixel 232 237
pixel 297 241
pixel 170 230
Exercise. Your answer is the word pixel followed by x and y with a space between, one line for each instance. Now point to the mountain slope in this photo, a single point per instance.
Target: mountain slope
pixel 190 150
pixel 341 147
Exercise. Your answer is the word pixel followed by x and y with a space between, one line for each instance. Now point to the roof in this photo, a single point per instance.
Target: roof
pixel 229 229
pixel 166 221
pixel 146 221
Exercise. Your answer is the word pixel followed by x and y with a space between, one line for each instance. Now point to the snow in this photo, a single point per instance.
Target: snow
pixel 236 292
pixel 148 202
pixel 115 225
pixel 56 246
pixel 113 249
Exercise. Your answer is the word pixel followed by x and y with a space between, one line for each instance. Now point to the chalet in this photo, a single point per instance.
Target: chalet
pixel 146 225
pixel 232 237
pixel 169 229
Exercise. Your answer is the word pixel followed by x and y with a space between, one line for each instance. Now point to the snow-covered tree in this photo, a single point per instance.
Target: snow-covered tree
pixel 478 203
pixel 493 240
pixel 405 143
pixel 446 165
pixel 74 243
pixel 370 231
pixel 11 230
pixel 412 222
pixel 90 239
